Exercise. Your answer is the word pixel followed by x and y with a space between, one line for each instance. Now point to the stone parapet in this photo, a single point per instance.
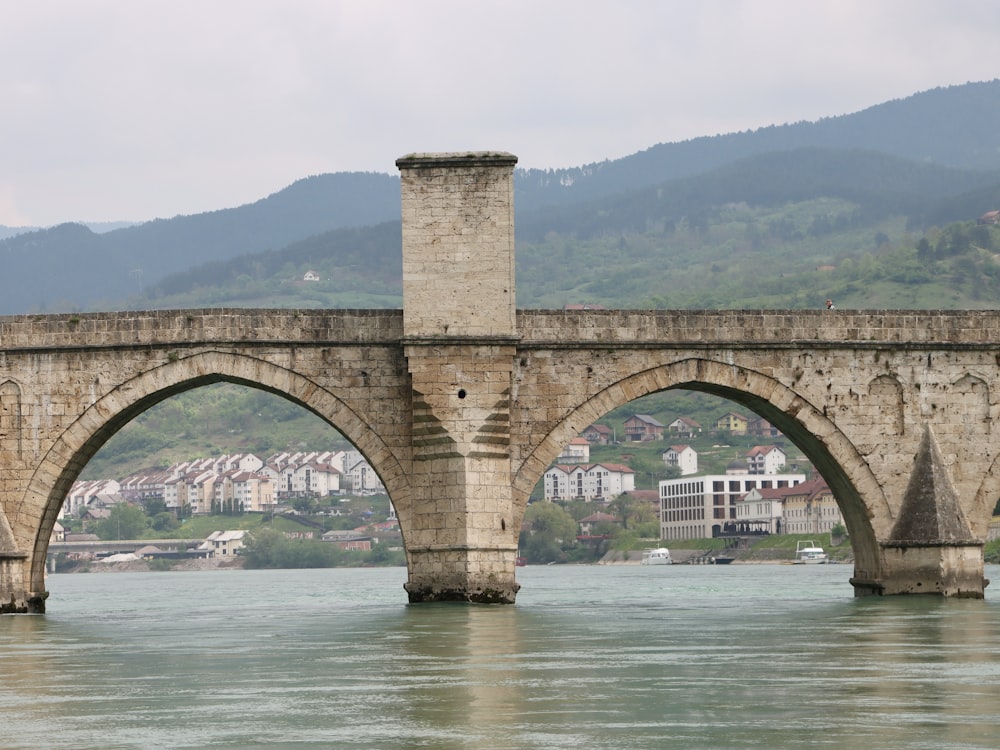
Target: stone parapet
pixel 164 328
pixel 744 328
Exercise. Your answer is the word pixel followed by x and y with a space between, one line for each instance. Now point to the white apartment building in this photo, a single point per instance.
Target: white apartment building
pixel 244 491
pixel 683 457
pixel 765 459
pixel 588 481
pixel 104 492
pixel 700 507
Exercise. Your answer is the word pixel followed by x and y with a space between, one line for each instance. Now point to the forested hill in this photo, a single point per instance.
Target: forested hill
pixel 750 234
pixel 902 166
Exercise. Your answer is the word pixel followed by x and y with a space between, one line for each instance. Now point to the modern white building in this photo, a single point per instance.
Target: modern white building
pixel 765 459
pixel 683 457
pixel 700 507
pixel 600 482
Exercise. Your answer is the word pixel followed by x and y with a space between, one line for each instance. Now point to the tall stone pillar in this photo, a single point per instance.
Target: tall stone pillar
pixel 459 335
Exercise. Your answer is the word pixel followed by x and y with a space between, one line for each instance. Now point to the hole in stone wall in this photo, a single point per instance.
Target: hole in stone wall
pixel 461 393
pixel 503 525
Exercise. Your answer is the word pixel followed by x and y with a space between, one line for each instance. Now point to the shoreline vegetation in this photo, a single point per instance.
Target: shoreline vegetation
pixel 769 551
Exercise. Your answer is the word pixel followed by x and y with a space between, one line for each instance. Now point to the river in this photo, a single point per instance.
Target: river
pixel 590 657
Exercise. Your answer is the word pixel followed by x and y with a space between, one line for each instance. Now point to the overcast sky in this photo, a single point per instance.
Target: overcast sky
pixel 127 110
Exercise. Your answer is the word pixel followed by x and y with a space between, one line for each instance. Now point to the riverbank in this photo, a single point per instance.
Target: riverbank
pixel 146 566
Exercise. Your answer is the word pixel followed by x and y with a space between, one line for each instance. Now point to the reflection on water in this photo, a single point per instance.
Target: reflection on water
pixel 594 657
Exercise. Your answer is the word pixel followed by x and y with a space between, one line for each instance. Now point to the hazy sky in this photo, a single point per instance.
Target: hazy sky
pixel 132 110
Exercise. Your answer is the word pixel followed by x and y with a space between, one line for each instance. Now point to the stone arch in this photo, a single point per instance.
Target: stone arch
pixel 986 498
pixel 64 461
pixel 859 494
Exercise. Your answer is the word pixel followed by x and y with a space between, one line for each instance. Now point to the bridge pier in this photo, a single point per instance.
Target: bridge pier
pixel 931 549
pixel 459 340
pixel 15 598
pixel 951 570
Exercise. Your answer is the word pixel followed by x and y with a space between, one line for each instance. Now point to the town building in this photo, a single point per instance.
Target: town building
pixel 733 423
pixel 760 427
pixel 100 493
pixel 588 523
pixel 590 482
pixel 349 539
pixel 700 507
pixel 682 457
pixel 684 427
pixel 765 459
pixel 244 491
pixel 576 452
pixel 598 434
pixel 812 509
pixel 643 428
pixel 224 543
pixel 761 511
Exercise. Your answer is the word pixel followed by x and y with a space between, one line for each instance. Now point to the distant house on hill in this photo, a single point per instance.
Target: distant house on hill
pixel 733 423
pixel 760 427
pixel 598 434
pixel 765 459
pixel 310 276
pixel 684 427
pixel 990 217
pixel 642 428
pixel 684 457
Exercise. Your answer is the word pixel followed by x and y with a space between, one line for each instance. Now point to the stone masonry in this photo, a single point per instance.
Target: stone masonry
pixel 460 402
pixel 459 337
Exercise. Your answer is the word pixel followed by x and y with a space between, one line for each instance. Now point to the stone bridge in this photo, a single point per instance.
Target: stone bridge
pixel 460 402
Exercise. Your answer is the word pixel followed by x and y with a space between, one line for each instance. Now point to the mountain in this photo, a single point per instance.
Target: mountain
pixel 694 242
pixel 925 158
pixel 956 126
pixel 69 267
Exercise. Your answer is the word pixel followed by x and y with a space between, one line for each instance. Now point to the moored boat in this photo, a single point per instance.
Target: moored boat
pixel 809 553
pixel 656 556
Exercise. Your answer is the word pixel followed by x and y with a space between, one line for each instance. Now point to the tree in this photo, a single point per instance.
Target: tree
pixel 125 522
pixel 632 512
pixel 164 521
pixel 548 531
pixel 155 506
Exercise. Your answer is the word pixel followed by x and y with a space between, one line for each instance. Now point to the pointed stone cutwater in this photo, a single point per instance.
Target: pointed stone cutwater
pixel 931 549
pixel 930 513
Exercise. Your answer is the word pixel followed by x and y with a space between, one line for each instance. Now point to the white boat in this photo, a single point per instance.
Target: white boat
pixel 656 556
pixel 807 553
